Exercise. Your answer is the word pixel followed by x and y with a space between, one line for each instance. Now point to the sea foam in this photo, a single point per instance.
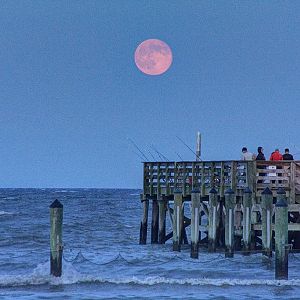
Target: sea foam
pixel 41 276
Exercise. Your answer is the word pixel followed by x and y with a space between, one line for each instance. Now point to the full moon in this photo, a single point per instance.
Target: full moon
pixel 153 57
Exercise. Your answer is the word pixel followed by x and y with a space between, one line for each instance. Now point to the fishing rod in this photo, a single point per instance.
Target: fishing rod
pixel 140 151
pixel 139 155
pixel 197 156
pixel 179 156
pixel 162 157
pixel 151 155
pixel 157 152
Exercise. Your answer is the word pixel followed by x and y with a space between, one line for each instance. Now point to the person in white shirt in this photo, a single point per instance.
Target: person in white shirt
pixel 246 155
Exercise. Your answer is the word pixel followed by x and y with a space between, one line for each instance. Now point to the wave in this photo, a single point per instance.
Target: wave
pixel 2 213
pixel 41 276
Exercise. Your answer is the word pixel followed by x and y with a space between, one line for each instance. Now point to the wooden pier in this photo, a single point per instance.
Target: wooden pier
pixel 232 204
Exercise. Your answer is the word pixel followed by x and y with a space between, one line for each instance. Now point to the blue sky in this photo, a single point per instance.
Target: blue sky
pixel 71 95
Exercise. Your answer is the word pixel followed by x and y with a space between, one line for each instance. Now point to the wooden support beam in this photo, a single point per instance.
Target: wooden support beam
pixel 266 221
pixel 177 219
pixel 281 236
pixel 154 223
pixel 230 202
pixel 213 220
pixel 195 223
pixel 144 221
pixel 162 220
pixel 247 204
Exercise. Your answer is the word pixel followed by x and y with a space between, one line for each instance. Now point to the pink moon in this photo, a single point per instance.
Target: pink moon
pixel 153 57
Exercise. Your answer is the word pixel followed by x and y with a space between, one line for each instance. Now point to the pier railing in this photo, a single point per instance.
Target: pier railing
pixel 162 178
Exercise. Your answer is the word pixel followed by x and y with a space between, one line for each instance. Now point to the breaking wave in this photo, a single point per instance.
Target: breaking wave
pixel 2 213
pixel 40 276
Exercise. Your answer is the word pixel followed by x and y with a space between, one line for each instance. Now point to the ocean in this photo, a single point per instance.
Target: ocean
pixel 103 260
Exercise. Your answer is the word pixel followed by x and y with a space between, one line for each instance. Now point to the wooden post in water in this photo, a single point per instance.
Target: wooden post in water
pixel 213 220
pixel 281 236
pixel 162 220
pixel 266 221
pixel 247 205
pixel 144 222
pixel 229 222
pixel 56 247
pixel 154 223
pixel 195 198
pixel 177 220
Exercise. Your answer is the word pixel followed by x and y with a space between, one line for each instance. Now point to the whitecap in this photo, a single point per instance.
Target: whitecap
pixel 202 281
pixel 41 275
pixel 2 213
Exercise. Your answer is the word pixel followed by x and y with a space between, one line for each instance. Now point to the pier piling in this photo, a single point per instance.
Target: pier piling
pixel 195 198
pixel 281 236
pixel 162 220
pixel 229 222
pixel 213 220
pixel 266 221
pixel 177 220
pixel 154 222
pixel 56 246
pixel 144 222
pixel 247 205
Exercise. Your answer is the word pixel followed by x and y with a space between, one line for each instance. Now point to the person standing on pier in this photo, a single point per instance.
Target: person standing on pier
pixel 276 155
pixel 287 155
pixel 260 154
pixel 246 155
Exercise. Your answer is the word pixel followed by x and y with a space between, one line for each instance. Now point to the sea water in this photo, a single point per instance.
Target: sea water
pixel 103 260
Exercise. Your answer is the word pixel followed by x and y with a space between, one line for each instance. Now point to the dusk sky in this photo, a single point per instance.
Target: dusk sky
pixel 72 96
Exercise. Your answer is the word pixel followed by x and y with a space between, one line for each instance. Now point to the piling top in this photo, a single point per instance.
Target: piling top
pixel 229 191
pixel 247 190
pixel 195 190
pixel 177 191
pixel 56 204
pixel 213 191
pixel 281 191
pixel 281 203
pixel 266 191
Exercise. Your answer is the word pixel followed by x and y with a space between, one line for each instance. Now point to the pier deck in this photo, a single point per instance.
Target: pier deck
pixel 162 178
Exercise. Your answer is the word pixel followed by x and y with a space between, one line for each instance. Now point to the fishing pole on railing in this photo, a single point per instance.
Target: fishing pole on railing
pixel 162 157
pixel 179 156
pixel 136 147
pixel 151 154
pixel 181 140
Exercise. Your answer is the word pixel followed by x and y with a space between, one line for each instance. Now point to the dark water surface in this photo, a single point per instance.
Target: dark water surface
pixel 102 258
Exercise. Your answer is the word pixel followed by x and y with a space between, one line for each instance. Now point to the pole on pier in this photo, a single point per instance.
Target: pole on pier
pixel 162 220
pixel 56 248
pixel 154 223
pixel 195 198
pixel 177 219
pixel 266 221
pixel 229 222
pixel 144 221
pixel 198 147
pixel 247 205
pixel 213 220
pixel 281 236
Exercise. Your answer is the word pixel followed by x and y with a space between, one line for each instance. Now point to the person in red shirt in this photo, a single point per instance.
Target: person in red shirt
pixel 276 155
